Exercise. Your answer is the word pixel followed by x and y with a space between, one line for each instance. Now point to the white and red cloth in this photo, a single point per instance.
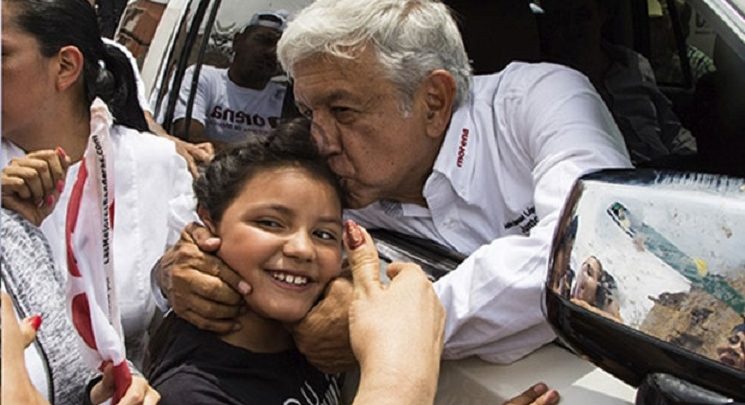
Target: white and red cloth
pixel 89 234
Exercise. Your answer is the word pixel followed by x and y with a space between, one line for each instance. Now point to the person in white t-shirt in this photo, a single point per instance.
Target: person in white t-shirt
pixel 232 103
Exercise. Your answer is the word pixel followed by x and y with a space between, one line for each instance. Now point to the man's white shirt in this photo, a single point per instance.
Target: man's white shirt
pixel 509 159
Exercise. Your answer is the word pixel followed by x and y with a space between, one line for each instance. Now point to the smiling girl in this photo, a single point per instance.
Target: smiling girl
pixel 277 209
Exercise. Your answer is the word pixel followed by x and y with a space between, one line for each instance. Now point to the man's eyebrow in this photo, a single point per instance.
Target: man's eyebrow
pixel 334 96
pixel 337 95
pixel 328 98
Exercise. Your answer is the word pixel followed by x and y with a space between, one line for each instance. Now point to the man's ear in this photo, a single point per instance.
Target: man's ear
pixel 207 219
pixel 439 95
pixel 70 66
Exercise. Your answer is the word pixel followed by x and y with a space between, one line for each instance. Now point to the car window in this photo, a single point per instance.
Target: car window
pixel 204 37
pixel 681 43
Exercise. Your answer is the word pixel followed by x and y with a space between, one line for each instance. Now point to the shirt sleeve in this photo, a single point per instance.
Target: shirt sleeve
pixel 494 299
pixel 181 211
pixel 199 109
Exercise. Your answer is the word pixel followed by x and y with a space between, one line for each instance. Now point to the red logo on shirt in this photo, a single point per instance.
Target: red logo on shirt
pixel 462 147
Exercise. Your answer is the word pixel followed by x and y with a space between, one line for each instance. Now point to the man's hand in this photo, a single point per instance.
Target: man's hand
pixel 201 288
pixel 538 394
pixel 323 335
pixel 31 185
pixel 194 154
pixel 139 392
pixel 396 331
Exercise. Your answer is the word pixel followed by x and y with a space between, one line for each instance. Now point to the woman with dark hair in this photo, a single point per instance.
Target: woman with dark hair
pixel 59 83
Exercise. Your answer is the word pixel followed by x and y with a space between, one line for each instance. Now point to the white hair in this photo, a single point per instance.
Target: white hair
pixel 411 39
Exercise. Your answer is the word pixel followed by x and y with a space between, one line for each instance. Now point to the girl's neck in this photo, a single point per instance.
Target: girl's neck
pixel 260 335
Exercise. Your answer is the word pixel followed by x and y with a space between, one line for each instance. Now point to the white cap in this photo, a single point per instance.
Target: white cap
pixel 272 19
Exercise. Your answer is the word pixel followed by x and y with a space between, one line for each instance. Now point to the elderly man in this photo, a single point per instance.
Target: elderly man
pixel 481 165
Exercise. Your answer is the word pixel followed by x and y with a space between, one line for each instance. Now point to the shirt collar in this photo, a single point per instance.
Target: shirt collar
pixel 455 162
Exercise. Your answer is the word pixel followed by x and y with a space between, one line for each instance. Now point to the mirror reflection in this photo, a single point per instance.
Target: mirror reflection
pixel 665 258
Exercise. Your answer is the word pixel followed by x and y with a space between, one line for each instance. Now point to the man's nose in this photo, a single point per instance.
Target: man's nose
pixel 299 246
pixel 324 135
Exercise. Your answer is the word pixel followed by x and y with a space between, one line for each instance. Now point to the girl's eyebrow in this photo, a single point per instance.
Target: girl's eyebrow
pixel 287 211
pixel 331 219
pixel 278 207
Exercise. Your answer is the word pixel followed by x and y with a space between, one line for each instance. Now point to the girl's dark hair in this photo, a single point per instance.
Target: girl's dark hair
pixel 606 291
pixel 107 72
pixel 289 144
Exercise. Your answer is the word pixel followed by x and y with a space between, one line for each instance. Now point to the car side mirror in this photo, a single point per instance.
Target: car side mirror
pixel 647 280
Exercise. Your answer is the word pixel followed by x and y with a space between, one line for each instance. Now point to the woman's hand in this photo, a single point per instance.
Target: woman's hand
pixel 396 331
pixel 139 392
pixel 16 336
pixel 31 185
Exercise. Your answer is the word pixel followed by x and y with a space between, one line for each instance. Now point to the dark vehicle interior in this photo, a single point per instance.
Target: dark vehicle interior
pixel 705 99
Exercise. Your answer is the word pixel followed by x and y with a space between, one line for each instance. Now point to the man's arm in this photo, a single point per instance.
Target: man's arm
pixel 493 299
pixel 199 108
pixel 194 133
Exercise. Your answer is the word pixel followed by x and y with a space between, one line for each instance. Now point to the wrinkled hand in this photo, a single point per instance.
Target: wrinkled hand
pixel 323 335
pixel 201 288
pixel 138 393
pixel 396 331
pixel 16 385
pixel 194 154
pixel 538 394
pixel 31 185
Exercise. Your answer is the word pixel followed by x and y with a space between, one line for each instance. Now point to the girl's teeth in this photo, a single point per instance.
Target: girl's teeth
pixel 290 279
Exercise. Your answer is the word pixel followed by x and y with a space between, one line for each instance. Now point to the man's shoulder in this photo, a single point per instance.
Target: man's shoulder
pixel 207 74
pixel 213 70
pixel 523 73
pixel 521 79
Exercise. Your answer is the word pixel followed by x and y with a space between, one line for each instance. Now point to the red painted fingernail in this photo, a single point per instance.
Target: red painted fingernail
pixel 353 234
pixel 61 152
pixel 35 321
pixel 60 185
pixel 49 200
